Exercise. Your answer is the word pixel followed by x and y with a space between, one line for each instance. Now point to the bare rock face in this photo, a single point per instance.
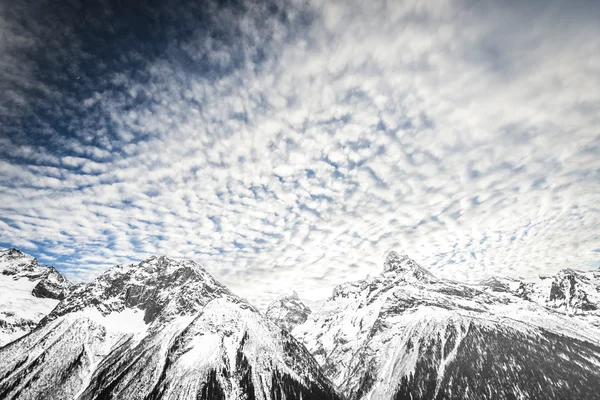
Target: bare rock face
pixel 29 292
pixel 53 286
pixel 406 334
pixel 288 311
pixel 575 291
pixel 404 266
pixel 161 329
pixel 393 261
pixel 161 287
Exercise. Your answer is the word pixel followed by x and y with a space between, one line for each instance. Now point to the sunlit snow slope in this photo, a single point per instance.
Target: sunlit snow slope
pixel 28 292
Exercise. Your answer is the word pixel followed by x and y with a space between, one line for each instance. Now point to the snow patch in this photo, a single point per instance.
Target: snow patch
pixel 129 320
pixel 202 349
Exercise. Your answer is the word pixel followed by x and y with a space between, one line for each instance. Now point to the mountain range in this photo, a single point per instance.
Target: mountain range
pixel 161 329
pixel 166 329
pixel 406 334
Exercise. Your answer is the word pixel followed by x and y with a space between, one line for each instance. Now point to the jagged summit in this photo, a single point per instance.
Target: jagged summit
pixel 14 261
pixel 157 265
pixel 163 261
pixel 13 253
pixel 400 263
pixel 403 263
pixel 394 261
pixel 406 334
pixel 288 311
pixel 393 257
pixel 28 291
pixel 159 286
pixel 397 270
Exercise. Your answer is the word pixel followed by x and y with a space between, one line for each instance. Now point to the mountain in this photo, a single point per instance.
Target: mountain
pixel 288 311
pixel 406 334
pixel 570 291
pixel 29 292
pixel 161 329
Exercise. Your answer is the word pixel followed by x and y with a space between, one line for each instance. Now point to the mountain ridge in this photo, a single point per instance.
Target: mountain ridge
pixel 29 292
pixel 407 334
pixel 166 329
pixel 161 329
pixel 288 311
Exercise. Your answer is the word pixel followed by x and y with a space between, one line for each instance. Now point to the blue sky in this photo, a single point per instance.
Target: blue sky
pixel 289 145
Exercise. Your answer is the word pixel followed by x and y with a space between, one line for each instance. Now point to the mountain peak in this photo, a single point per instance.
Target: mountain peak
pixel 402 264
pixel 10 256
pixel 393 260
pixel 392 255
pixel 288 311
pixel 20 266
pixel 160 261
pixel 13 252
pixel 159 286
pixel 29 291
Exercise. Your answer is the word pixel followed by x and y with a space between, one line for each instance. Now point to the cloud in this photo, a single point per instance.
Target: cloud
pixel 290 145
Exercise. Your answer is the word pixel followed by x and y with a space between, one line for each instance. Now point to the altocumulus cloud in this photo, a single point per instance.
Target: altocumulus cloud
pixel 291 144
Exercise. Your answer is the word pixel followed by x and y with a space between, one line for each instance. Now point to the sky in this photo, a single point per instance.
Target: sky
pixel 289 145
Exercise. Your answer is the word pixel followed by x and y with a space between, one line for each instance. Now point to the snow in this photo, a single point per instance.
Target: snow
pixel 130 320
pixel 201 349
pixel 19 306
pixel 20 310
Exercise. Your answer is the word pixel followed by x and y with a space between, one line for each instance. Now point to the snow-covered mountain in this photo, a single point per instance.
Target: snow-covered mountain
pixel 165 329
pixel 162 329
pixel 406 334
pixel 288 311
pixel 574 292
pixel 28 291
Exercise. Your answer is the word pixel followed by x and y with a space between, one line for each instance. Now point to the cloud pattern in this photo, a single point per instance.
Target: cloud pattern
pixel 291 144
